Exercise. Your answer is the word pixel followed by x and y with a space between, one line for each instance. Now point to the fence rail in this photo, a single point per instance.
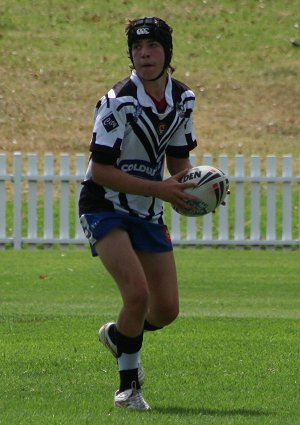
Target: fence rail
pixel 40 207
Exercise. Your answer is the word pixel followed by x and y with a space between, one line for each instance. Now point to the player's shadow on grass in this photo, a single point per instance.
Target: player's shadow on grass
pixel 212 412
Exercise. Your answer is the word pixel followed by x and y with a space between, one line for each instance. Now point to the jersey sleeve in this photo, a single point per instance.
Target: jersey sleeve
pixel 108 132
pixel 184 139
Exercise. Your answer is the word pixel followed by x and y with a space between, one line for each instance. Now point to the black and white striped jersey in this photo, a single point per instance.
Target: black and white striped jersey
pixel 131 134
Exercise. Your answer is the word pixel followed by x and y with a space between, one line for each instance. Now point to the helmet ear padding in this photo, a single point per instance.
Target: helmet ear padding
pixel 151 28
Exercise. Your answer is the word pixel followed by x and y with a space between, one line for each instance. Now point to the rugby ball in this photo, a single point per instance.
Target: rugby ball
pixel 211 188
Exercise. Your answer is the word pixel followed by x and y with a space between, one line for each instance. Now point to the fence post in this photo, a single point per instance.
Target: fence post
pixel 80 170
pixel 255 198
pixel 298 189
pixel 239 204
pixel 32 196
pixel 287 199
pixel 271 200
pixel 48 197
pixel 2 197
pixel 17 179
pixel 64 222
pixel 223 210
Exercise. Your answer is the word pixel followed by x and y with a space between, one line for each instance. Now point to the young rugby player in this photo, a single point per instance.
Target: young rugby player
pixel 144 121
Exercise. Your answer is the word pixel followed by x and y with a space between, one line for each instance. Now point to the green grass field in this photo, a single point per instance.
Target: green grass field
pixel 232 357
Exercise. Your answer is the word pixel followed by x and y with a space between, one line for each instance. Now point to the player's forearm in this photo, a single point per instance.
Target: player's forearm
pixel 115 179
pixel 175 165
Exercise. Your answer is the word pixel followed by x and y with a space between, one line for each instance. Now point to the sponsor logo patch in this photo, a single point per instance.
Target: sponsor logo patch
pixel 142 169
pixel 110 123
pixel 142 31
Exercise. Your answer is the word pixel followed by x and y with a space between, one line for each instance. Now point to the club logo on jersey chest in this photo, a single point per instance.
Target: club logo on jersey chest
pixel 162 127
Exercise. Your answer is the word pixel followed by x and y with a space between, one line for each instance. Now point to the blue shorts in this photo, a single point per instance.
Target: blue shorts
pixel 144 235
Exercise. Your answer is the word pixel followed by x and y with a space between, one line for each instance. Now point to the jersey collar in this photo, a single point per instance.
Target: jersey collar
pixel 146 100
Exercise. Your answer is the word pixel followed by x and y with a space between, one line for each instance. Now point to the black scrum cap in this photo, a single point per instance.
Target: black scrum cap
pixel 152 28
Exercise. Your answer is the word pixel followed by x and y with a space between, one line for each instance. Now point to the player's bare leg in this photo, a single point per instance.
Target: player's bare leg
pixel 161 277
pixel 126 269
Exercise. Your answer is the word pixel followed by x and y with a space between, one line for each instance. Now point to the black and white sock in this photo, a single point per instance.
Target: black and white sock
pixel 128 359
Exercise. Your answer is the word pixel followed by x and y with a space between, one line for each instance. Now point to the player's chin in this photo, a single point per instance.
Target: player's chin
pixel 148 73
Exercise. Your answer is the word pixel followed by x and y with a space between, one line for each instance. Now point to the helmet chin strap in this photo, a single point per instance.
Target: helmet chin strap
pixel 156 78
pixel 159 75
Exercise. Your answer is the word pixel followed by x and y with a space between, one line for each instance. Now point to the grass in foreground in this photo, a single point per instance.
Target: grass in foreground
pixel 231 358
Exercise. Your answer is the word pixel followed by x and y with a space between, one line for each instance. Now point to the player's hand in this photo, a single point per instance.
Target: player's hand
pixel 173 190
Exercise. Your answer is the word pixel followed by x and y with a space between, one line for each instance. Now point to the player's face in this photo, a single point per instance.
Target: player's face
pixel 148 58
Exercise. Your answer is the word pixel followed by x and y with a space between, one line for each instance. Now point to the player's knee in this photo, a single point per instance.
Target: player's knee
pixel 172 313
pixel 168 314
pixel 138 299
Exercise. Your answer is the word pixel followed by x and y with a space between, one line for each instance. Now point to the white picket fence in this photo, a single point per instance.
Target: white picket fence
pixel 40 207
